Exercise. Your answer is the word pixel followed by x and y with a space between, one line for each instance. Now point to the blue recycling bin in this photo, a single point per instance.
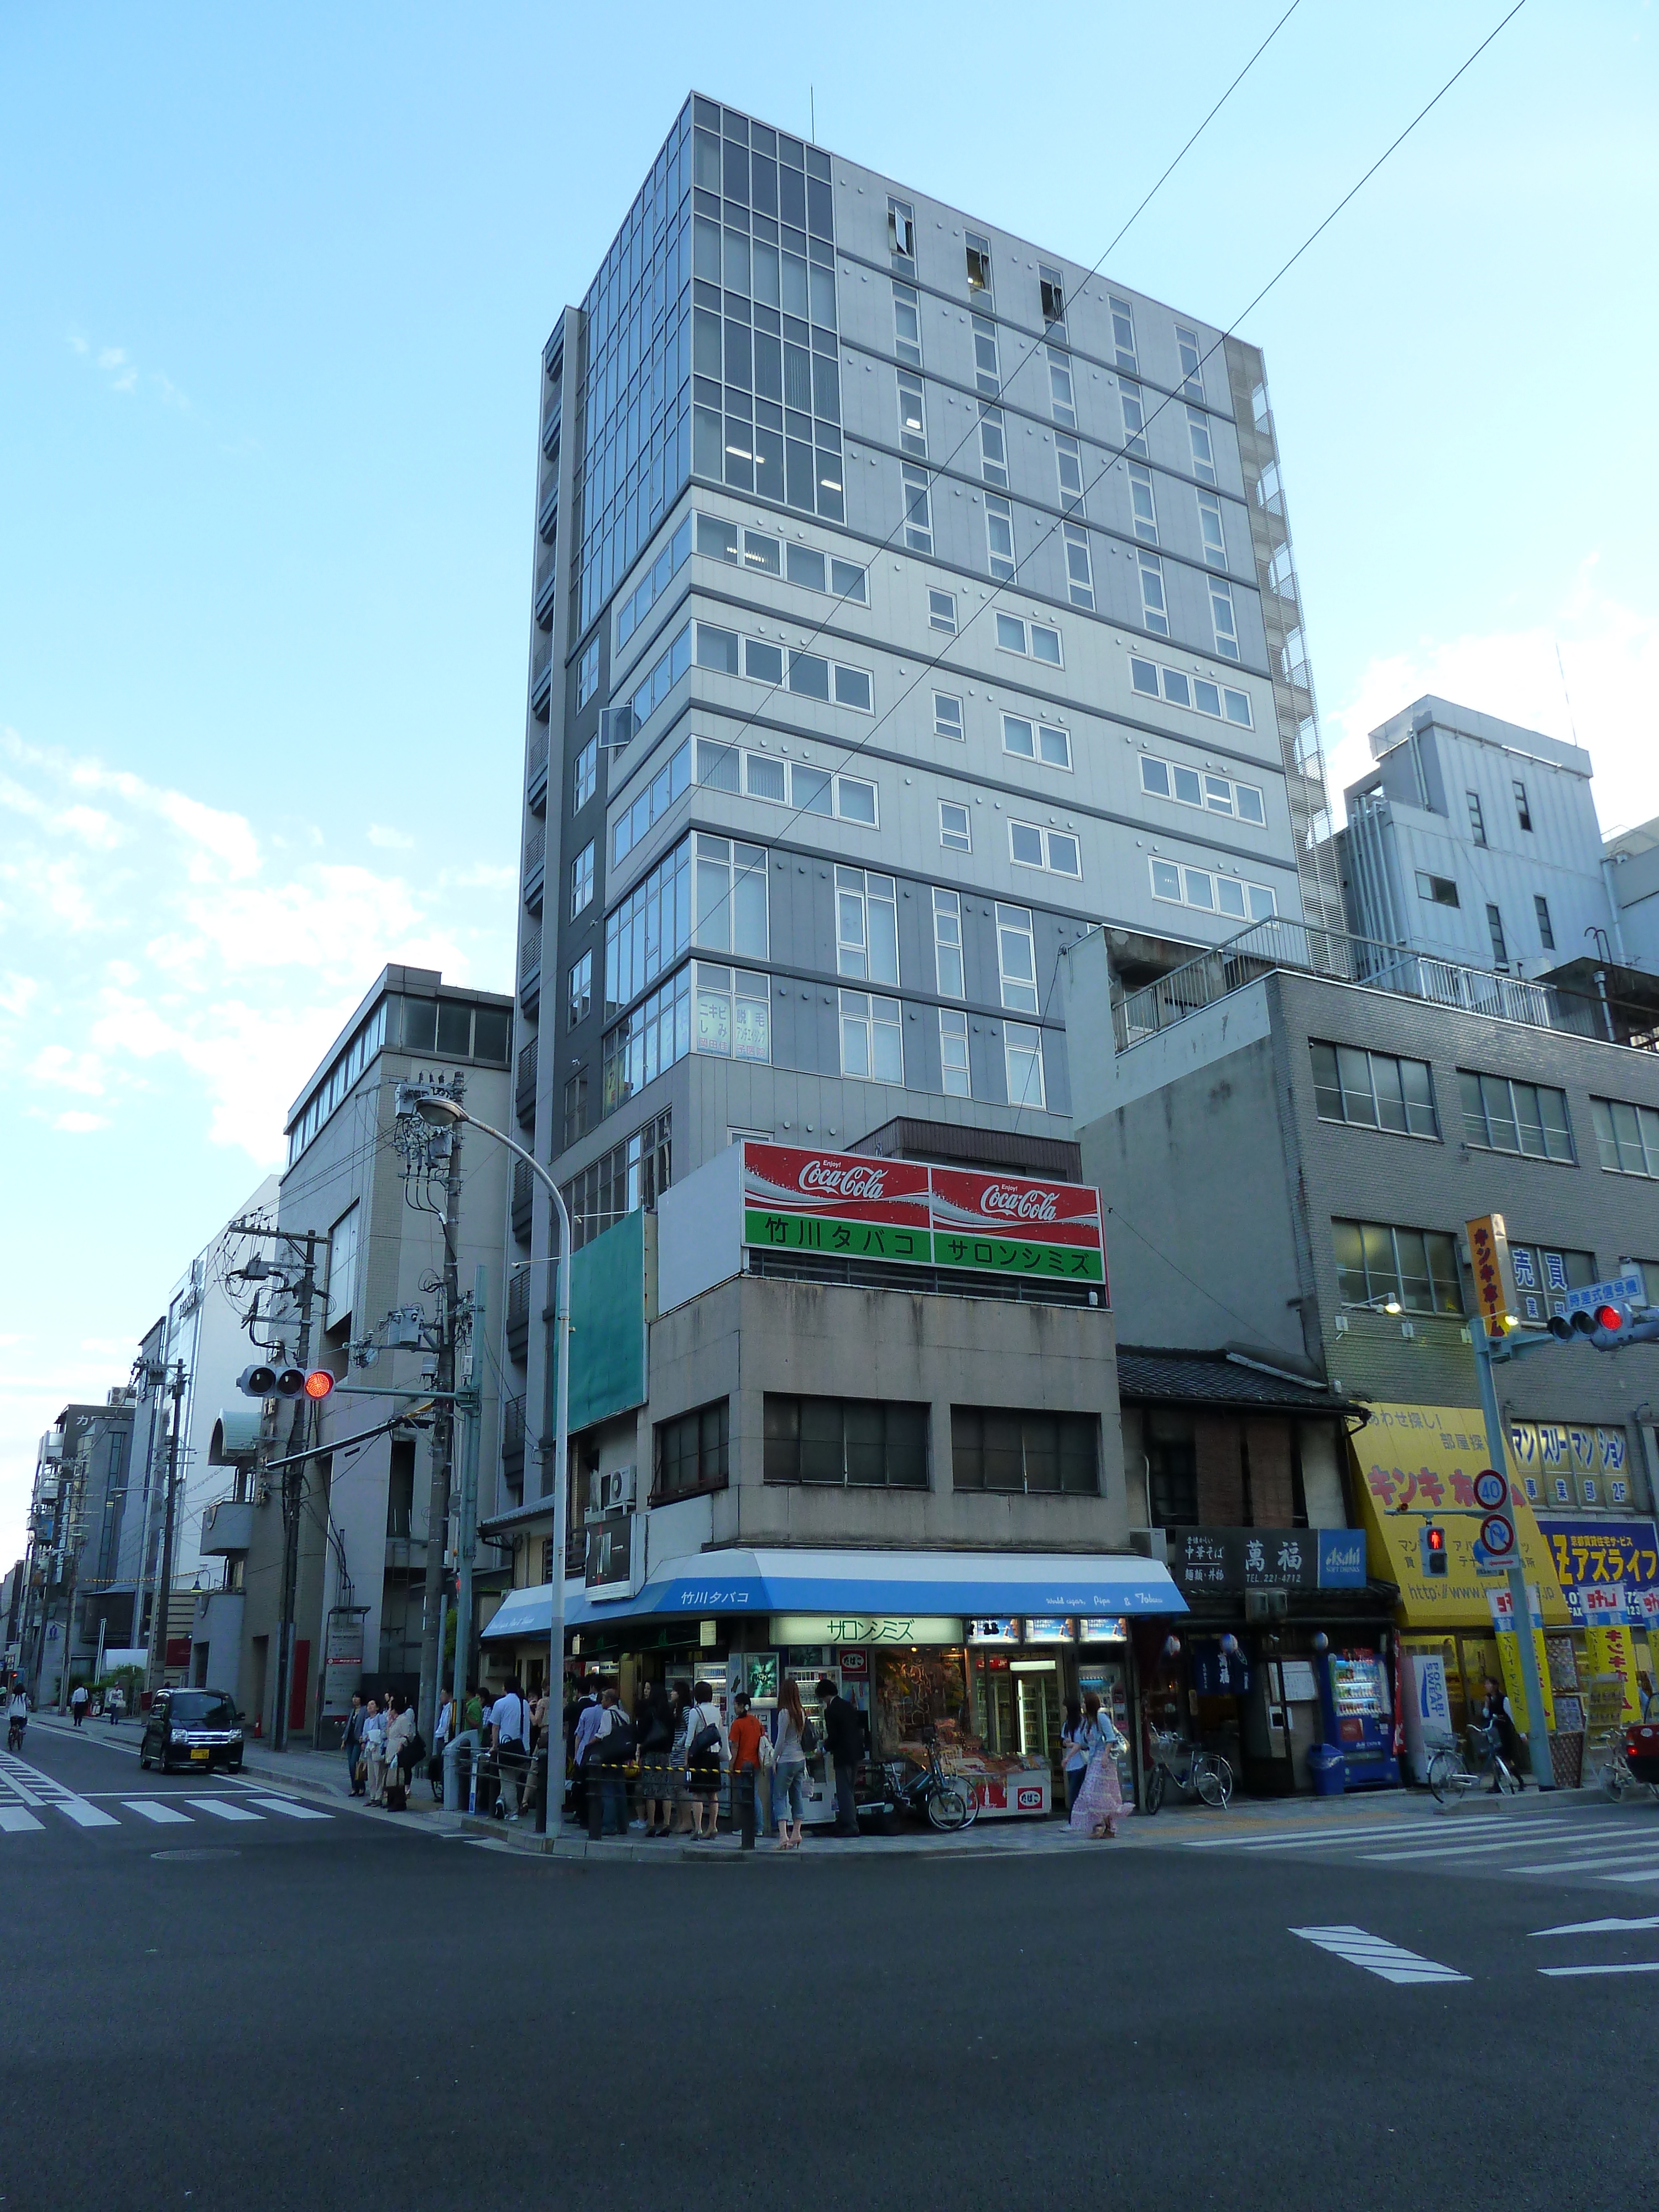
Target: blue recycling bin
pixel 1330 1775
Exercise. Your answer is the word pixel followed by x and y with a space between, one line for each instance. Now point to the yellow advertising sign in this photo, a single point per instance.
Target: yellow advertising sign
pixel 1494 1273
pixel 1612 1651
pixel 1415 1466
pixel 1515 1684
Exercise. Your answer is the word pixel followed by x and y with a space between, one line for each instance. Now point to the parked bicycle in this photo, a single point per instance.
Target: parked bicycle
pixel 945 1800
pixel 1451 1780
pixel 1607 1767
pixel 1195 1773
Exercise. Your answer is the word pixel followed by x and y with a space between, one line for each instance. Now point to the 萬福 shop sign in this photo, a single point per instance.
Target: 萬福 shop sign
pixel 1268 1558
pixel 844 1204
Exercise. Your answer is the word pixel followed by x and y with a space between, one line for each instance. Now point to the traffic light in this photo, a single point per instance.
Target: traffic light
pixel 285 1383
pixel 1606 1325
pixel 1433 1542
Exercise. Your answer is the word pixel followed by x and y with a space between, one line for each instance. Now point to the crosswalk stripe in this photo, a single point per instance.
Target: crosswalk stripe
pixel 1641 1966
pixel 85 1815
pixel 14 1820
pixel 221 1808
pixel 286 1805
pixel 1646 1854
pixel 1553 1841
pixel 1386 1959
pixel 1653 1876
pixel 151 1810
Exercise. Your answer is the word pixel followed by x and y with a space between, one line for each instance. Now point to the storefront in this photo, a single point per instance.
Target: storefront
pixel 972 1654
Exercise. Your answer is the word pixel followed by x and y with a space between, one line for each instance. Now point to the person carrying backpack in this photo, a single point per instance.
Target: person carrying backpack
pixel 610 1748
pixel 706 1752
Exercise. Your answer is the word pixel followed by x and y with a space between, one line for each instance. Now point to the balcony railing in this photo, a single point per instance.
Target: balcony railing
pixel 1279 943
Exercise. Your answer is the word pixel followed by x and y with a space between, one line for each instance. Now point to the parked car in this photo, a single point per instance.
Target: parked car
pixel 196 1729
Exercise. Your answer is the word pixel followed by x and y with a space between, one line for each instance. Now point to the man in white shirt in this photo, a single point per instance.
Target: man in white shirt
pixel 509 1723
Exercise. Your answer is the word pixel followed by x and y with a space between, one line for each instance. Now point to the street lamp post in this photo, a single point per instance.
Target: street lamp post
pixel 447 1114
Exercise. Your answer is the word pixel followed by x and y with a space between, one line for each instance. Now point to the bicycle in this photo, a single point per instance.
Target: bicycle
pixel 1607 1767
pixel 1203 1774
pixel 947 1800
pixel 1451 1781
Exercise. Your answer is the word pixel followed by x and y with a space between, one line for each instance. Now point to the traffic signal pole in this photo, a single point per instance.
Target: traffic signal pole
pixel 1538 1734
pixel 303 1433
pixel 161 1604
pixel 443 1446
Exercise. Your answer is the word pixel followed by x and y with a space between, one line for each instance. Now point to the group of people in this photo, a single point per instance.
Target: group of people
pixel 382 1749
pixel 1091 1741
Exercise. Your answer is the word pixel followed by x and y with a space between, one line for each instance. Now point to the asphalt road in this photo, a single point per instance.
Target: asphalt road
pixel 337 2012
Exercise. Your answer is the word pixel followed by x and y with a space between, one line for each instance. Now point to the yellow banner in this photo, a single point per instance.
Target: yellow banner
pixel 1612 1651
pixel 1415 1467
pixel 1515 1686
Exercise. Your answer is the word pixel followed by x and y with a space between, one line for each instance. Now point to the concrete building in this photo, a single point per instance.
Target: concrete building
pixel 1631 870
pixel 74 1607
pixel 374 1200
pixel 905 601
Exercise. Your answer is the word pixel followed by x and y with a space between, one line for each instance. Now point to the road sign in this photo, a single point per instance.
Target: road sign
pixel 1490 1490
pixel 1497 1537
pixel 1619 1290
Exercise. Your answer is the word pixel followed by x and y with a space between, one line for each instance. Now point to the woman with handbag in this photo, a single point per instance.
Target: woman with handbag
pixel 705 1754
pixel 399 1736
pixel 789 1756
pixel 653 1722
pixel 1099 1805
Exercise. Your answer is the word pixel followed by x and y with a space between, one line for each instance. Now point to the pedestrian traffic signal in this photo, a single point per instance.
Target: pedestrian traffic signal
pixel 1433 1543
pixel 285 1383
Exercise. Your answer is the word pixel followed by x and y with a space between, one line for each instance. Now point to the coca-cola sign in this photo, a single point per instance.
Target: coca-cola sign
pixel 1005 1202
pixel 1053 1212
pixel 843 1179
pixel 835 1186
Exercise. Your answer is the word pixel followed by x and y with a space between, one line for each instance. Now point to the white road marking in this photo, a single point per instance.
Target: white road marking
pixel 1561 1973
pixel 1631 1877
pixel 1645 1852
pixel 153 1809
pixel 1554 1838
pixel 1377 1957
pixel 1598 1926
pixel 221 1809
pixel 38 1788
pixel 14 1820
pixel 84 1815
pixel 286 1805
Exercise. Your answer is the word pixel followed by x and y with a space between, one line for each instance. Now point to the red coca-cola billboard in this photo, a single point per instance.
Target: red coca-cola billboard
pixel 1017 1205
pixel 834 1185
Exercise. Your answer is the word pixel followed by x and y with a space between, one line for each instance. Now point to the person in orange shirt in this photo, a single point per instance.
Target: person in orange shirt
pixel 745 1734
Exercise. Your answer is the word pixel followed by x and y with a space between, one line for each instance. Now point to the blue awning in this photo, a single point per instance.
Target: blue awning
pixel 1026 1585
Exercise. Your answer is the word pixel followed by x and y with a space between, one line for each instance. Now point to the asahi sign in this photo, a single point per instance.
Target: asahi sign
pixel 843 1204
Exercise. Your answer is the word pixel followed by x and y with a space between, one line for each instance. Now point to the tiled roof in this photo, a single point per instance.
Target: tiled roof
pixel 1214 1378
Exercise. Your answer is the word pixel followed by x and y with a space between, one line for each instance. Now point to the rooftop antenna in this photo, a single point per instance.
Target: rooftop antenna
pixel 812 106
pixel 1565 694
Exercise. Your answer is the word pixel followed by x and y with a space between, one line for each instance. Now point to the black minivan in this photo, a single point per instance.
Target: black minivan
pixel 197 1728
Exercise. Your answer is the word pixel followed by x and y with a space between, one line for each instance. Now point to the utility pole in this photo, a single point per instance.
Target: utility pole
pixel 161 1605
pixel 466 1529
pixel 443 1431
pixel 73 1536
pixel 294 1492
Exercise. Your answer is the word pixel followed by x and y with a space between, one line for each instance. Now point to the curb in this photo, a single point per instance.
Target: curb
pixel 579 1850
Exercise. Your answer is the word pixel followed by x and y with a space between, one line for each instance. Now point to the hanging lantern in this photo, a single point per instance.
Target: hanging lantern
pixel 1229 1645
pixel 1321 1643
pixel 1172 1647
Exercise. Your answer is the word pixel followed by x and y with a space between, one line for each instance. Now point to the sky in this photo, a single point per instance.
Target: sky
pixel 275 286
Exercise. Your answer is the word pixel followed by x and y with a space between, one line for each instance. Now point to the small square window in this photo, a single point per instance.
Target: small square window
pixel 954 833
pixel 979 262
pixel 999 537
pixel 1045 644
pixel 947 715
pixel 942 611
pixel 907 324
pixel 901 228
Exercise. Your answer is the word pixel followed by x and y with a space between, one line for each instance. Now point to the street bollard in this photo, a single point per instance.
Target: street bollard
pixel 746 1805
pixel 595 1807
pixel 540 1769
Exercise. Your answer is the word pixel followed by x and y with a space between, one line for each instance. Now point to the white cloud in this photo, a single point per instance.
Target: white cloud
pixel 390 840
pixel 121 373
pixel 170 951
pixel 1610 655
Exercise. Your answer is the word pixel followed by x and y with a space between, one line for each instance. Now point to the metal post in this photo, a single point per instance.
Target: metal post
pixel 162 1606
pixel 303 1433
pixel 443 1451
pixel 466 1539
pixel 1538 1734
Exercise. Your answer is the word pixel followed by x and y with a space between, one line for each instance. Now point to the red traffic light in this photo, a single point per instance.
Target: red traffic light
pixel 1434 1539
pixel 1608 1317
pixel 319 1383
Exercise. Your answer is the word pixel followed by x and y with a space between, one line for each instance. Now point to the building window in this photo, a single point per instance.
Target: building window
pixel 1051 289
pixel 866 927
pixel 947 714
pixel 992 447
pixel 1439 891
pixel 1036 641
pixel 579 997
pixel 1373 1090
pixel 654 582
pixel 918 510
pixel 872 1038
pixel 988 374
pixel 1068 463
pixel 907 324
pixel 947 944
pixel 1500 1116
pixel 860 1443
pixel 1215 794
pixel 1016 959
pixel 733 1014
pixel 1079 566
pixel 1626 1137
pixel 1134 420
pixel 1142 507
pixel 1192 364
pixel 1211 893
pixel 1226 623
pixel 1060 398
pixel 1154 609
pixel 999 537
pixel 1477 819
pixel 342 1268
pixel 694 1453
pixel 585 776
pixel 901 228
pixel 1005 1451
pixel 1219 701
pixel 1037 741
pixel 1209 530
pixel 1022 1052
pixel 942 611
pixel 762 555
pixel 954 833
pixel 1198 437
pixel 1523 811
pixel 809 790
pixel 1123 333
pixel 1543 1278
pixel 1056 851
pixel 631 1175
pixel 581 879
pixel 979 262
pixel 588 675
pixel 1418 1266
pixel 649 929
pixel 1541 907
pixel 1172 1470
pixel 576 1107
pixel 654 1036
pixel 913 415
pixel 953 1053
pixel 654 798
pixel 1495 927
pixel 731 898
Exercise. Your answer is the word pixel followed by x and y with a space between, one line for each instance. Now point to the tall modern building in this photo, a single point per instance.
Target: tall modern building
pixel 907 601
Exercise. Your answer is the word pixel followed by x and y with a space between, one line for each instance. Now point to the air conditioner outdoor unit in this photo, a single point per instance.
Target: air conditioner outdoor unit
pixel 611 1490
